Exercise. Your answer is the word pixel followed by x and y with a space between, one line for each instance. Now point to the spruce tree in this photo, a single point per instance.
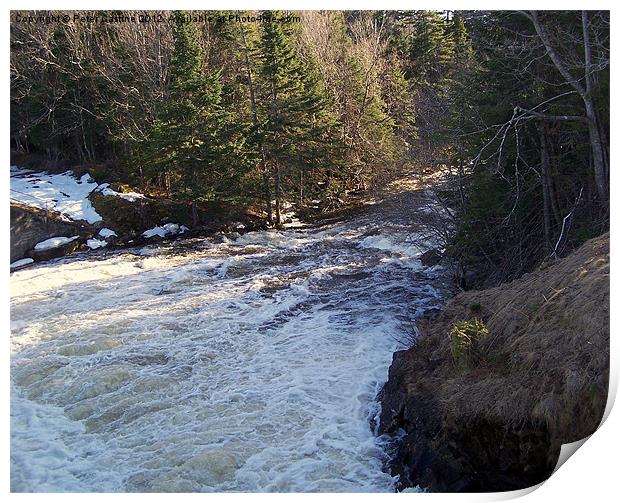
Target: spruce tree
pixel 461 42
pixel 431 49
pixel 297 128
pixel 192 148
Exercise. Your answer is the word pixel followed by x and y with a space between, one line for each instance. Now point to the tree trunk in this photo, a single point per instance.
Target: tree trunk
pixel 461 180
pixel 601 166
pixel 168 183
pixel 600 161
pixel 266 189
pixel 278 192
pixel 544 176
pixel 598 156
pixel 552 156
pixel 194 214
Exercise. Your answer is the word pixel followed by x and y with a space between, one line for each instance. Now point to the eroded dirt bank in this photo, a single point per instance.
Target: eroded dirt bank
pixel 539 380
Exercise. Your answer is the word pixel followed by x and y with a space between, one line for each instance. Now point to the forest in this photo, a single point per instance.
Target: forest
pixel 261 109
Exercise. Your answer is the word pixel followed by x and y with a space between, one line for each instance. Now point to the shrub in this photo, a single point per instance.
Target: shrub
pixel 464 343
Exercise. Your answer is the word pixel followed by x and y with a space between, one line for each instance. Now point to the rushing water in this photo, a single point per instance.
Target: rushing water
pixel 238 363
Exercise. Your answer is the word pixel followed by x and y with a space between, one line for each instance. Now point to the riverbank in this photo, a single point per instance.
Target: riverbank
pixel 73 209
pixel 54 214
pixel 488 406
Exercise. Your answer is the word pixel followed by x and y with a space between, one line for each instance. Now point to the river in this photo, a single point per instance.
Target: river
pixel 231 363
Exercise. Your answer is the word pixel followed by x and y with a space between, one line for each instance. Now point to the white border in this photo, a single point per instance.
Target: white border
pixel 589 475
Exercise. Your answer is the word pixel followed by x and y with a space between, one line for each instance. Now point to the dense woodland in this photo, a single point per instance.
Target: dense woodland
pixel 304 106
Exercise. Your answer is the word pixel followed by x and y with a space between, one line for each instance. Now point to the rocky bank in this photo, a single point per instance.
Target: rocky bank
pixel 538 380
pixel 30 226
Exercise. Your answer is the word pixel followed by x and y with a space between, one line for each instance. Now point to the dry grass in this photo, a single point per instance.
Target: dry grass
pixel 545 359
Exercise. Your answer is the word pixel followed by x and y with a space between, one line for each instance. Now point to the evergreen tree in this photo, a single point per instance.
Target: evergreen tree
pixel 430 49
pixel 461 42
pixel 400 105
pixel 296 126
pixel 192 149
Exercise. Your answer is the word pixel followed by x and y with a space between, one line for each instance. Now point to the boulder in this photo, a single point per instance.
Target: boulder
pixel 59 251
pixel 431 258
pixel 30 226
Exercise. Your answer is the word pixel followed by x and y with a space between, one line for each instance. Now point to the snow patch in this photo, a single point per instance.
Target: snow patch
pixel 93 244
pixel 55 242
pixel 163 231
pixel 106 233
pixel 62 193
pixel 105 189
pixel 21 262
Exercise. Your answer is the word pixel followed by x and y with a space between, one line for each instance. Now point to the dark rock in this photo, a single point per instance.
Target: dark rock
pixel 59 251
pixel 431 258
pixel 441 451
pixel 111 240
pixel 431 313
pixel 30 226
pixel 217 238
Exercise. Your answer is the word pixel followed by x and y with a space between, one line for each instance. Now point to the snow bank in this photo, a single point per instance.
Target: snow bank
pixel 54 242
pixel 62 193
pixel 105 189
pixel 21 262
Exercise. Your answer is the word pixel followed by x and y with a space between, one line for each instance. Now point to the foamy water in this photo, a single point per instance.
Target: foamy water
pixel 250 364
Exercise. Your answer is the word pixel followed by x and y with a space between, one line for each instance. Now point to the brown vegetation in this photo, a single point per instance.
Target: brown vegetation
pixel 540 379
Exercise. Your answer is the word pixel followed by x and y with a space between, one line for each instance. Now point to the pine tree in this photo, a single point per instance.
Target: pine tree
pixel 430 48
pixel 399 104
pixel 192 149
pixel 297 129
pixel 462 48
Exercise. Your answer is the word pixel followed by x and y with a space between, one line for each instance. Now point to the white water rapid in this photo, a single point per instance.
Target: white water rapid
pixel 238 363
